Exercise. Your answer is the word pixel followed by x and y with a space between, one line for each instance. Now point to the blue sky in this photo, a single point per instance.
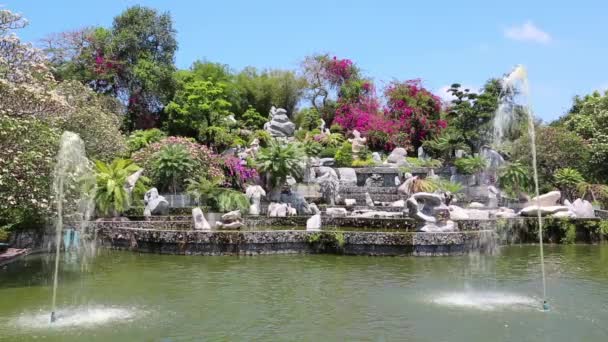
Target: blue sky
pixel 562 43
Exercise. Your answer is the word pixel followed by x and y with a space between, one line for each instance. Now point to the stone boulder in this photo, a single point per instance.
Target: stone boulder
pixel 314 223
pixel 546 200
pixel 155 203
pixel 379 214
pixel 458 213
pixel 255 193
pixel 231 216
pixel 397 157
pixel 348 176
pixel 398 204
pixel 350 202
pixel 277 209
pixel 544 211
pixel 314 209
pixel 476 205
pixel 279 125
pixel 327 161
pixel 376 158
pixel 581 208
pixel 200 223
pixel 336 212
pixel 368 200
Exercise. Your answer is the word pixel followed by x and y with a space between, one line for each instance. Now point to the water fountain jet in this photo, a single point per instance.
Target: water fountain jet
pixel 503 121
pixel 72 170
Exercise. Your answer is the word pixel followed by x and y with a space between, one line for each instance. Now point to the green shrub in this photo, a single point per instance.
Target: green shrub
pixel 172 166
pixel 4 235
pixel 568 180
pixel 308 119
pixel 336 128
pixel 344 155
pixel 142 138
pixel 515 179
pixel 470 165
pixel 111 198
pixel 328 152
pixel 363 162
pixel 416 162
pixel 252 119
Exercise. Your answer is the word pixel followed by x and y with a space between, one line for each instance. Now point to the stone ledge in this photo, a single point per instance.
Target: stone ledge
pixel 295 241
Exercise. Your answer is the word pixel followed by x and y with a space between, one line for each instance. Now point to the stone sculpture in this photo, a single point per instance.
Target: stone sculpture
pixel 336 212
pixel 430 211
pixel 155 203
pixel 368 200
pixel 329 186
pixel 277 209
pixel 230 220
pixel 422 155
pixel 406 188
pixel 581 208
pixel 254 193
pixel 279 125
pixel 131 181
pixel 397 157
pixel 375 180
pixel 376 158
pixel 546 204
pixel 200 223
pixel 358 143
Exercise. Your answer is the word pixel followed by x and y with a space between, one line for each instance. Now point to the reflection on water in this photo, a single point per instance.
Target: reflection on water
pixel 127 296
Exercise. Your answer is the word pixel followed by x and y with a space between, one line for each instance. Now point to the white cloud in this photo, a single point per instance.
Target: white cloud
pixel 527 32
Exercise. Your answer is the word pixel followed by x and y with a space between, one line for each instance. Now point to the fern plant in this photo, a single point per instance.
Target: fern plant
pixel 142 138
pixel 567 180
pixel 111 197
pixel 208 192
pixel 514 179
pixel 278 161
pixel 470 165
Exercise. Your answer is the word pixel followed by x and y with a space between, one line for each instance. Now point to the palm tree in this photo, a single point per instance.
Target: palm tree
pixel 111 196
pixel 514 179
pixel 278 161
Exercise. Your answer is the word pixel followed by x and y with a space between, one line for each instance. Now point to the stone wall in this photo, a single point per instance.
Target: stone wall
pixel 294 241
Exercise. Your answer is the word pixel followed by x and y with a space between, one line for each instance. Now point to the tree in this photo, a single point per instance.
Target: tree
pixel 27 87
pixel 556 148
pixel 264 89
pixel 197 105
pixel 568 180
pixel 471 114
pixel 143 43
pixel 588 118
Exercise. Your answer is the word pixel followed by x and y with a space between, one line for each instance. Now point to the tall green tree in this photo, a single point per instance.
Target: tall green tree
pixel 197 105
pixel 471 113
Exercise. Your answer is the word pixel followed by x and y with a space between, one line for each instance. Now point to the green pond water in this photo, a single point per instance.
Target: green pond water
pixel 122 296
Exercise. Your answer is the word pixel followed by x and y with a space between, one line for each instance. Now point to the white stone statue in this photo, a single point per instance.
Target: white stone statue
pixel 358 143
pixel 200 223
pixel 314 223
pixel 254 193
pixel 155 203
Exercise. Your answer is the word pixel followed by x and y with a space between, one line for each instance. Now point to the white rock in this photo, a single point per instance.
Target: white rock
pixel 399 203
pixel 277 209
pixel 476 214
pixel 231 216
pixel 348 176
pixel 336 212
pixel 350 202
pixel 368 200
pixel 397 157
pixel 458 213
pixel 544 211
pixel 546 200
pixel 564 214
pixel 581 208
pixel 379 214
pixel 200 223
pixel 314 223
pixel 291 211
pixel 229 226
pixel 254 193
pixel 476 205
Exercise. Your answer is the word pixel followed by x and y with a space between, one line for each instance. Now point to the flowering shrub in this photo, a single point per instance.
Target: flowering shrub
pixel 26 166
pixel 238 173
pixel 414 110
pixel 206 162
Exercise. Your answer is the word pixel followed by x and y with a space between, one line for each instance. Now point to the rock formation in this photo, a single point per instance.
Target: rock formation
pixel 279 125
pixel 155 203
pixel 314 223
pixel 200 223
pixel 230 220
pixel 254 193
pixel 428 209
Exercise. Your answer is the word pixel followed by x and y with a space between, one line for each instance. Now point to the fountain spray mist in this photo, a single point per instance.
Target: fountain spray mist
pixel 72 169
pixel 503 122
